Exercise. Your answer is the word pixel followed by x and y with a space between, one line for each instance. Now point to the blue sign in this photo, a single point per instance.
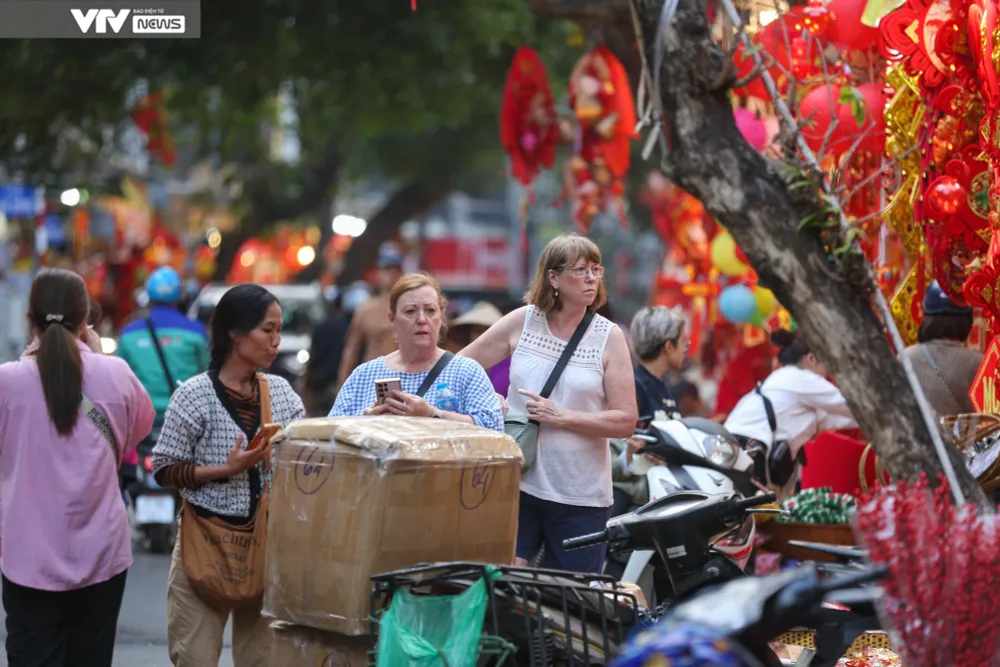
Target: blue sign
pixel 56 229
pixel 21 201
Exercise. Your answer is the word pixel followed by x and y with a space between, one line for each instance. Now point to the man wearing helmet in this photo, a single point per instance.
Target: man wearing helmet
pixel 183 341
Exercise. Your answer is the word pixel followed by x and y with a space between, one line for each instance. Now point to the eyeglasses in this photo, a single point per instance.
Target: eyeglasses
pixel 581 271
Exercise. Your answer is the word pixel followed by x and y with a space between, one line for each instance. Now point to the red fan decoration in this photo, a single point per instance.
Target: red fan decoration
pixel 940 593
pixel 528 123
pixel 601 99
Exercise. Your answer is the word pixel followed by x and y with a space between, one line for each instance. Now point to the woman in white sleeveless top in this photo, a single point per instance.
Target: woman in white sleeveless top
pixel 568 491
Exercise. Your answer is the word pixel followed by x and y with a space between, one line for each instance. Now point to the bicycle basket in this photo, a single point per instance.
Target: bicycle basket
pixel 433 629
pixel 544 617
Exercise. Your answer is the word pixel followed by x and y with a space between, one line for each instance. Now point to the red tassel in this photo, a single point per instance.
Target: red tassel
pixel 413 5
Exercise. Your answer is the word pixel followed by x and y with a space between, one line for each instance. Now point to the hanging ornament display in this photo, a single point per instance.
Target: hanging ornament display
pixel 792 48
pixel 150 118
pixel 601 100
pixel 857 110
pixel 528 123
pixel 845 30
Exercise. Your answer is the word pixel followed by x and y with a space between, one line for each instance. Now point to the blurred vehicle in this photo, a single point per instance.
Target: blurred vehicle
pixel 302 308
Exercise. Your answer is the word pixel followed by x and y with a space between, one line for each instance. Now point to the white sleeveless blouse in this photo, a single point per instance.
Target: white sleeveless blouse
pixel 571 468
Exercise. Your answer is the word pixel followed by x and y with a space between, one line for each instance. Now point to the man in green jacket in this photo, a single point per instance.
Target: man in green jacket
pixel 184 341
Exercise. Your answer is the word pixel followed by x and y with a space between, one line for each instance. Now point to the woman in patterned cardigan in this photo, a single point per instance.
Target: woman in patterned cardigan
pixel 201 451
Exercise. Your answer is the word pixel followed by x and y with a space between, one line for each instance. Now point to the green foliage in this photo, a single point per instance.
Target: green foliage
pixel 851 95
pixel 389 89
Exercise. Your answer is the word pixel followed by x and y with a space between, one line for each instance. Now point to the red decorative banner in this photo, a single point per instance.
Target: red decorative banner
pixel 984 388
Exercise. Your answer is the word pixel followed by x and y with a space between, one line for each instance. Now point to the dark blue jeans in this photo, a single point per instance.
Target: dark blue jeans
pixel 543 522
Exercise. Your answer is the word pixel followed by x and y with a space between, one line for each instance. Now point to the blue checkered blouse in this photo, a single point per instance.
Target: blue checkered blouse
pixel 465 378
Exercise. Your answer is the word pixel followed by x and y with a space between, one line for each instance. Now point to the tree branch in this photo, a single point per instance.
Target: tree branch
pixel 745 194
pixel 266 207
pixel 406 203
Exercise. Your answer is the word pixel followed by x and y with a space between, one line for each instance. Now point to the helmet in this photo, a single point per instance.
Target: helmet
pixel 164 286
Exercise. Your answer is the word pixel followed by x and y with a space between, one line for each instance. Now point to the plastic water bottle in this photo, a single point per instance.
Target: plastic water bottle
pixel 444 399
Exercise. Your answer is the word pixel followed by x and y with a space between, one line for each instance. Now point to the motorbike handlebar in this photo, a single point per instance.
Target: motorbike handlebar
pixel 753 501
pixel 582 541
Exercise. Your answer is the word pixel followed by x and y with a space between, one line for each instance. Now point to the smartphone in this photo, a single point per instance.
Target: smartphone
pixel 384 388
pixel 264 435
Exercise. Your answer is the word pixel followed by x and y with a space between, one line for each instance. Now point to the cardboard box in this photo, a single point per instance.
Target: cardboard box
pixel 296 646
pixel 358 496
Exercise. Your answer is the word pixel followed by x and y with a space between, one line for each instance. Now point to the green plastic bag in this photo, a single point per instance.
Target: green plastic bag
pixel 433 630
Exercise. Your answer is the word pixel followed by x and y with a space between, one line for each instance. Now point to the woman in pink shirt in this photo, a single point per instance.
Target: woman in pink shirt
pixel 68 414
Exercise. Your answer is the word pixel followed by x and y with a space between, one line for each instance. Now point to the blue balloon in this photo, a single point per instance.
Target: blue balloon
pixel 737 304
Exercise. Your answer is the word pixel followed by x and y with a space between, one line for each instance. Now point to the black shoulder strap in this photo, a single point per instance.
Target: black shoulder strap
pixel 567 354
pixel 772 420
pixel 435 372
pixel 159 353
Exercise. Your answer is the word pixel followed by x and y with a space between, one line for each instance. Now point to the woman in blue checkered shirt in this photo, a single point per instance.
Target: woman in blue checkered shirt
pixel 462 392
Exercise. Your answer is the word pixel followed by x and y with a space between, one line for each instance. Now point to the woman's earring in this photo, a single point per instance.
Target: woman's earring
pixel 557 294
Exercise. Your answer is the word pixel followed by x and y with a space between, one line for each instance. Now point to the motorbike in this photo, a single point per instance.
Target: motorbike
pixel 692 455
pixel 155 507
pixel 753 611
pixel 698 539
pixel 549 618
pixel 838 625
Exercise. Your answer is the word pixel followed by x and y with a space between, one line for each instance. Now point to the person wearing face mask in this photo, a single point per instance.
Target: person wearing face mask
pixel 433 382
pixel 203 451
pixel 796 401
pixel 567 491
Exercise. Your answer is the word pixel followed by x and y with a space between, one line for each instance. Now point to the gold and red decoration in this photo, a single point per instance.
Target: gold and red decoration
pixel 529 127
pixel 600 130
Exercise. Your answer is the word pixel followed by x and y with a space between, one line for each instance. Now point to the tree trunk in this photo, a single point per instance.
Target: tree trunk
pixel 317 180
pixel 746 194
pixel 405 204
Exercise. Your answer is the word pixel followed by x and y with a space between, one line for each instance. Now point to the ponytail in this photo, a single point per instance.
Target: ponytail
pixel 61 370
pixel 57 308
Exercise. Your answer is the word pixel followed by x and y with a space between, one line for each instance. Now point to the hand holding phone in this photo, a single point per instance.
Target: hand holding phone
pixel 384 388
pixel 264 435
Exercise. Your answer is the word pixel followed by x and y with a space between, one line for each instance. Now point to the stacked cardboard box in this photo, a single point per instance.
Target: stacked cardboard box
pixel 358 496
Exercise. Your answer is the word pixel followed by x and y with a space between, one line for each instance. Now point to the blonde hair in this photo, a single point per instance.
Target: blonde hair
pixel 561 253
pixel 412 281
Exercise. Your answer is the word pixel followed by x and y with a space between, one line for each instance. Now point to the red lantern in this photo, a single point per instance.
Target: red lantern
pixel 793 31
pixel 817 17
pixel 846 31
pixel 944 196
pixel 866 105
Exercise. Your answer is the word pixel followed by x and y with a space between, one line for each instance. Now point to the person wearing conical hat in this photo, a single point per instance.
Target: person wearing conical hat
pixel 471 325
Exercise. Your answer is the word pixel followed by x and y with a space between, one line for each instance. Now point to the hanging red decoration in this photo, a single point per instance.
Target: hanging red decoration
pixel 858 109
pixel 817 17
pixel 150 118
pixel 528 123
pixel 789 47
pixel 944 196
pixel 846 31
pixel 601 100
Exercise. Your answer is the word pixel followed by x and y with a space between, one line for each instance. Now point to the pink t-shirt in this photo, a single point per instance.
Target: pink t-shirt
pixel 62 519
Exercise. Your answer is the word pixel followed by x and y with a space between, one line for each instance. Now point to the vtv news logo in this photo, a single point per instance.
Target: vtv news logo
pixel 142 24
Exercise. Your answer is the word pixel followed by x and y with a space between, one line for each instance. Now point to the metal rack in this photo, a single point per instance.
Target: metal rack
pixel 534 617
